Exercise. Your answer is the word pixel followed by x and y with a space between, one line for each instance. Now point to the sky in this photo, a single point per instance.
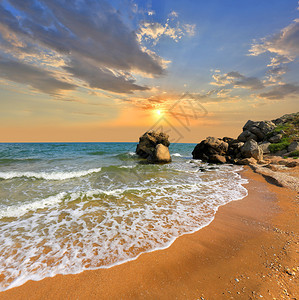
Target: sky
pixel 108 71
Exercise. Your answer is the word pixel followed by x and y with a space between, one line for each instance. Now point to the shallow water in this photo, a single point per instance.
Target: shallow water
pixel 69 207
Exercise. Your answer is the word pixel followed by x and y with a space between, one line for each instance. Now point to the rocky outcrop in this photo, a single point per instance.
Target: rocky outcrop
pixel 279 136
pixel 153 146
pixel 280 179
pixel 215 150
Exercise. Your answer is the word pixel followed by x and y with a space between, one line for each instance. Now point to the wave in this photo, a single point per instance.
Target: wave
pixel 127 156
pixel 13 160
pixel 48 176
pixel 17 211
pixel 176 154
pixel 97 153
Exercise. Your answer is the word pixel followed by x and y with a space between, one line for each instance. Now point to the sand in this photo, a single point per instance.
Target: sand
pixel 249 251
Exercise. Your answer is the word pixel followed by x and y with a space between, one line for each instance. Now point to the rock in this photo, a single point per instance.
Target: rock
pixel 276 138
pixel 293 146
pixel 272 167
pixel 262 162
pixel 257 131
pixel 217 159
pixel 209 147
pixel 247 161
pixel 265 147
pixel 248 125
pixel 292 164
pixel 161 154
pixel 146 147
pixel 234 148
pixel 229 140
pixel 282 162
pixel 266 127
pixel 281 152
pixel 247 135
pixel 252 149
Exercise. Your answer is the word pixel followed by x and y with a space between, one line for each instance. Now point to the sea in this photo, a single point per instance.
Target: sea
pixel 70 207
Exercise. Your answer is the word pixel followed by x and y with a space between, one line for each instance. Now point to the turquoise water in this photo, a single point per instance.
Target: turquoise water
pixel 69 207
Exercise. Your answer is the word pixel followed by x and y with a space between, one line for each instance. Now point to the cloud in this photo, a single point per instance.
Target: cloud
pixel 101 78
pixel 173 14
pixel 281 91
pixel 275 75
pixel 86 31
pixel 278 60
pixel 285 43
pixel 166 100
pixel 153 31
pixel 39 79
pixel 190 29
pixel 285 46
pixel 235 79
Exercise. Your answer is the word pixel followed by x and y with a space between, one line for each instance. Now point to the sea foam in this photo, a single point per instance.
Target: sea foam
pixel 48 175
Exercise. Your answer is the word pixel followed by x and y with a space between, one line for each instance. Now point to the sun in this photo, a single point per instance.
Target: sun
pixel 158 112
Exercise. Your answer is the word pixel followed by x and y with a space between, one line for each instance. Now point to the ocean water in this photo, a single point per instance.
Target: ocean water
pixel 70 207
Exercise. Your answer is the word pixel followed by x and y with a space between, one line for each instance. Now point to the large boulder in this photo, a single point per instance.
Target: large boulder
pixel 257 131
pixel 247 135
pixel 147 146
pixel 252 149
pixel 211 150
pixel 161 154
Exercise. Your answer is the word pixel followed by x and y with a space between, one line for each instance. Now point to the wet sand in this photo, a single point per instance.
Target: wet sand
pixel 249 251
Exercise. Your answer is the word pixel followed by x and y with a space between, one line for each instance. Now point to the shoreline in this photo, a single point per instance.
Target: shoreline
pixel 220 260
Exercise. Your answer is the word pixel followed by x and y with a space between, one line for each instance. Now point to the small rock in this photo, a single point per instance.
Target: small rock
pixel 265 147
pixel 290 272
pixel 276 138
pixel 293 146
pixel 292 164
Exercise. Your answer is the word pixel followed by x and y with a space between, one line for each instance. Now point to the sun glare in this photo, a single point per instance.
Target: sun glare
pixel 158 112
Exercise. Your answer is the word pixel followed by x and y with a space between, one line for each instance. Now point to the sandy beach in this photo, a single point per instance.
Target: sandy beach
pixel 249 251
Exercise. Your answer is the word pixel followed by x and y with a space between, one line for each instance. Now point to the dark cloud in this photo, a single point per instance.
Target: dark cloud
pixel 101 78
pixel 281 91
pixel 91 29
pixel 37 78
pixel 235 79
pixel 90 36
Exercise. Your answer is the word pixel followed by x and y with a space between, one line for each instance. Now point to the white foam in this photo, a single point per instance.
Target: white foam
pixel 127 167
pixel 176 154
pixel 48 176
pixel 20 210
